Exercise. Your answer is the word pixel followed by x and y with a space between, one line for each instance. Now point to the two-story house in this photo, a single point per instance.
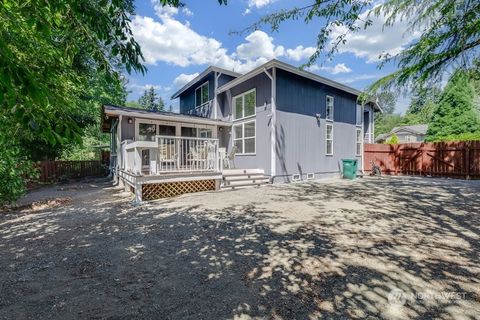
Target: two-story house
pixel 276 123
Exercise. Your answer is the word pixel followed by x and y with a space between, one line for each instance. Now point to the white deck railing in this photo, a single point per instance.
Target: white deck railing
pixel 205 110
pixel 171 154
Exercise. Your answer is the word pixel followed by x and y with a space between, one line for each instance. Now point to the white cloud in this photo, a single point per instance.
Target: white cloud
pixel 183 79
pixel 300 53
pixel 259 3
pixel 140 88
pixel 361 77
pixel 164 11
pixel 166 39
pixel 370 43
pixel 187 12
pixel 336 69
pixel 259 44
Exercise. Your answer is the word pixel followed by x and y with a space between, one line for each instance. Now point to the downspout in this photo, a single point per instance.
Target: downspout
pixel 273 163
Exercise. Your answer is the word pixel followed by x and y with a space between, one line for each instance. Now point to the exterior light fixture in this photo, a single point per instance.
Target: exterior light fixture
pixel 130 120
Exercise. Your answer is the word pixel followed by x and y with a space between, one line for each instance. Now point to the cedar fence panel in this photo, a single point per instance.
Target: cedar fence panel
pixel 443 159
pixel 51 171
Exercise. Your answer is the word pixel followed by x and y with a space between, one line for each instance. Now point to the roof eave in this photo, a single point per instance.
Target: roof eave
pixel 292 69
pixel 202 75
pixel 180 118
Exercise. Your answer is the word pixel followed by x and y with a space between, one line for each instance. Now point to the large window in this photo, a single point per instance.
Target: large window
pixel 201 94
pixel 244 105
pixel 329 140
pixel 244 137
pixel 358 150
pixel 359 115
pixel 147 131
pixel 329 108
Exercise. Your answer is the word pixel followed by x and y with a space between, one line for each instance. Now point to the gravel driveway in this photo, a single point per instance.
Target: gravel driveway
pixel 393 248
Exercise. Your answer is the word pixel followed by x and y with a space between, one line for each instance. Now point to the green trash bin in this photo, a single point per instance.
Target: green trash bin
pixel 349 168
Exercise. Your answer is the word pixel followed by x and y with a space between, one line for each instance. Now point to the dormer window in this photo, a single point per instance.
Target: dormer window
pixel 201 95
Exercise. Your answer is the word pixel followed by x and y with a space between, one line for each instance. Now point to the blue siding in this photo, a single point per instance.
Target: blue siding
pixel 304 96
pixel 187 99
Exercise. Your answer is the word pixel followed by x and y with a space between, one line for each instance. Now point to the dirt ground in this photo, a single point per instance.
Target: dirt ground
pixel 393 248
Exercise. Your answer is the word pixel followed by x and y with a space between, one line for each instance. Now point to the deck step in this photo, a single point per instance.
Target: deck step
pixel 229 183
pixel 243 185
pixel 239 172
pixel 243 178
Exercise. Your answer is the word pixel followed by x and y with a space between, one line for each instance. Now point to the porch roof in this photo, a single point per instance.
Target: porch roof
pixel 112 111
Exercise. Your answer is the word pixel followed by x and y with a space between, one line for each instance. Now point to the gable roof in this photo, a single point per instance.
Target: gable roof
pixel 202 75
pixel 416 129
pixel 287 67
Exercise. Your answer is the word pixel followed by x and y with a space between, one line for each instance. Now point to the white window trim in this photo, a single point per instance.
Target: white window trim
pixel 326 139
pixel 296 177
pixel 326 108
pixel 243 137
pixel 310 176
pixel 199 87
pixel 357 142
pixel 362 110
pixel 138 121
pixel 234 106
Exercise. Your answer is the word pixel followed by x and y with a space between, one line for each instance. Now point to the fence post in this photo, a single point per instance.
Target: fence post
pixel 423 151
pixel 467 160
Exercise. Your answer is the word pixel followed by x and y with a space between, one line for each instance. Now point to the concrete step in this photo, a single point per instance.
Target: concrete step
pixel 239 172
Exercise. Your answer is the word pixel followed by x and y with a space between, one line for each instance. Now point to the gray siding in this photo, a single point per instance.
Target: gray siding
pixel 262 84
pixel 128 129
pixel 300 145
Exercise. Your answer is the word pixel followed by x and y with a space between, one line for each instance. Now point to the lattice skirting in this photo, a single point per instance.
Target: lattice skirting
pixel 154 191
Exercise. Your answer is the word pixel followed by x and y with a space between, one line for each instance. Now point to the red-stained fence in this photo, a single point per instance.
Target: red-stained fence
pixel 51 171
pixel 444 159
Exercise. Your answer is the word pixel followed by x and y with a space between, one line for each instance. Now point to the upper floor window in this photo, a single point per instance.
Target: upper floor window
pixel 244 105
pixel 201 94
pixel 329 111
pixel 359 115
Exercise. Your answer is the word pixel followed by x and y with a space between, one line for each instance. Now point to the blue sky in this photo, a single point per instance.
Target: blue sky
pixel 180 43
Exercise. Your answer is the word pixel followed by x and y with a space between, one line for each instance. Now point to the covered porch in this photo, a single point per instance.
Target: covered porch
pixel 162 154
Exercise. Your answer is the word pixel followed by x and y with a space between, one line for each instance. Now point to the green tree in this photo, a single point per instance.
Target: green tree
pixel 450 33
pixel 143 100
pixel 58 61
pixel 385 123
pixel 160 104
pixel 456 114
pixel 387 101
pixel 151 101
pixel 393 139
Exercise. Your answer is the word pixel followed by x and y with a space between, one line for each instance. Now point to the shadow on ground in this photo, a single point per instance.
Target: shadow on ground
pixel 299 251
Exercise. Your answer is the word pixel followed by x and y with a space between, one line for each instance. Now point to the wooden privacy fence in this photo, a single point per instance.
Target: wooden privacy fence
pixel 444 159
pixel 51 171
